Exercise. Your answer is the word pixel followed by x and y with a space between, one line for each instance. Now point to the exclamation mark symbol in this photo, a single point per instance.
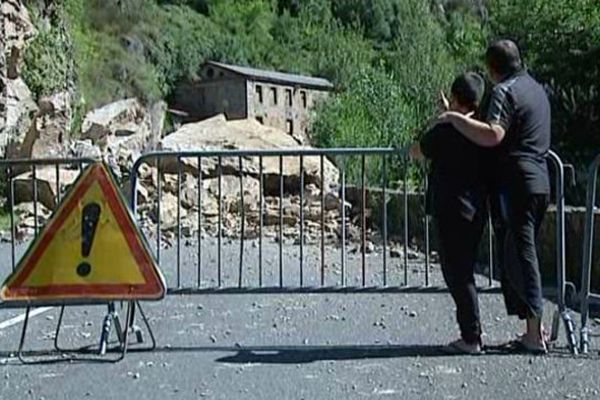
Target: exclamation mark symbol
pixel 89 222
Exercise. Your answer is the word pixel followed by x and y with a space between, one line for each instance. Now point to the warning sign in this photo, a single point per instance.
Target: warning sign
pixel 90 250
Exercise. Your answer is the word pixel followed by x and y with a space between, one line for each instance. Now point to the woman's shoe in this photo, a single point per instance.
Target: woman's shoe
pixel 459 346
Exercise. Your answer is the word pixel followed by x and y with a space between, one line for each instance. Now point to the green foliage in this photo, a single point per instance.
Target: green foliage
pixel 46 59
pixel 561 42
pixel 373 112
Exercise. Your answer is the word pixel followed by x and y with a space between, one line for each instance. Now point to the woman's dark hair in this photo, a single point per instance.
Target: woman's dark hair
pixel 468 89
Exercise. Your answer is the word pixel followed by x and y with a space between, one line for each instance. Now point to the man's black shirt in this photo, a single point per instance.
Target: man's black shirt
pixel 520 105
pixel 455 176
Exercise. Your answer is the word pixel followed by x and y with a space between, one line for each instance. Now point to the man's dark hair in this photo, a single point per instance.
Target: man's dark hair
pixel 468 89
pixel 503 57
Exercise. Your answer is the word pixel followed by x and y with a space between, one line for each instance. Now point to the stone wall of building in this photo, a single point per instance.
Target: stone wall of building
pixel 205 99
pixel 284 107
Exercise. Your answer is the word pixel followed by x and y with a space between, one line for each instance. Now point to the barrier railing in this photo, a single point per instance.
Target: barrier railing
pixel 586 295
pixel 328 265
pixel 290 277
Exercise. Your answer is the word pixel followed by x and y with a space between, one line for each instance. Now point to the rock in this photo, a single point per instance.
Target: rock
pixel 48 135
pixel 124 129
pixel 27 209
pixel 413 255
pixel 46 179
pixel 20 113
pixel 396 252
pixel 16 104
pixel 218 133
pixel 168 212
pixel 369 247
pixel 17 31
pixel 332 201
pixel 85 149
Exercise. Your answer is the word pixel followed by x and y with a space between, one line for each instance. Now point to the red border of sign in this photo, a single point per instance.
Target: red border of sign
pixel 152 289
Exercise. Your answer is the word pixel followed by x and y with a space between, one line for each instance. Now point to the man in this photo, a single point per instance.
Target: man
pixel 518 124
pixel 458 207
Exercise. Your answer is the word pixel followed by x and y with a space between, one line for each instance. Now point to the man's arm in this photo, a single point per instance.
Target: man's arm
pixel 481 133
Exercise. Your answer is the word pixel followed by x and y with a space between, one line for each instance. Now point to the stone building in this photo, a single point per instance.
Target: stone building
pixel 273 98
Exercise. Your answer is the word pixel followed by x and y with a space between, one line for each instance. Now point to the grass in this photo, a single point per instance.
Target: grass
pixel 4 220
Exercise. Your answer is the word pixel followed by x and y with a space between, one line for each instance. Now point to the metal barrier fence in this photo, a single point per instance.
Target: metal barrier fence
pixel 214 272
pixel 172 163
pixel 587 296
pixel 366 278
pixel 381 276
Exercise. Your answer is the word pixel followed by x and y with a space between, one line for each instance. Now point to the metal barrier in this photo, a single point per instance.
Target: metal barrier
pixel 386 280
pixel 562 312
pixel 375 273
pixel 366 277
pixel 587 296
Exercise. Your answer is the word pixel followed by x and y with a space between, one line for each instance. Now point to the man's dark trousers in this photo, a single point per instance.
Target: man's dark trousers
pixel 459 238
pixel 521 280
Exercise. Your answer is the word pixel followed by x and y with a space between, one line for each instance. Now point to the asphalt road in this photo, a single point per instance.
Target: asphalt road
pixel 303 346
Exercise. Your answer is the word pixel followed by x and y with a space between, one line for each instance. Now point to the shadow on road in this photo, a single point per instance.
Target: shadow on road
pixel 308 354
pixel 304 354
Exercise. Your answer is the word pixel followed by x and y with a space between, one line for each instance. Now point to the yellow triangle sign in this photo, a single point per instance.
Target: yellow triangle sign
pixel 90 250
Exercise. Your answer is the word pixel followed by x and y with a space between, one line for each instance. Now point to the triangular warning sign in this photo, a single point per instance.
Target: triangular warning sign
pixel 90 250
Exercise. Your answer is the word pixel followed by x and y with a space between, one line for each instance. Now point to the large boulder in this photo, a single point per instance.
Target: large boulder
pixel 20 113
pixel 48 136
pixel 48 184
pixel 124 129
pixel 217 133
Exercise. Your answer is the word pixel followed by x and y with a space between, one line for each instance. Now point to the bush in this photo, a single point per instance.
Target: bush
pixel 560 42
pixel 47 59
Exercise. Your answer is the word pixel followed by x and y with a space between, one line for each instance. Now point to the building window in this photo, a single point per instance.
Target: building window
pixel 289 124
pixel 303 97
pixel 259 93
pixel 274 95
pixel 288 97
pixel 210 73
pixel 260 120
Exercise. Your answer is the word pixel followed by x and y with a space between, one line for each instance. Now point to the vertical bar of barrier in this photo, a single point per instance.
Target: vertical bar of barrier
pixel 385 222
pixel 588 253
pixel 363 220
pixel 13 235
pixel 490 249
pixel 57 175
pixel 260 219
pixel 280 221
pixel 427 266
pixel 405 195
pixel 178 222
pixel 35 200
pixel 560 255
pixel 158 209
pixel 343 255
pixel 243 217
pixel 220 218
pixel 322 170
pixel 200 189
pixel 301 220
